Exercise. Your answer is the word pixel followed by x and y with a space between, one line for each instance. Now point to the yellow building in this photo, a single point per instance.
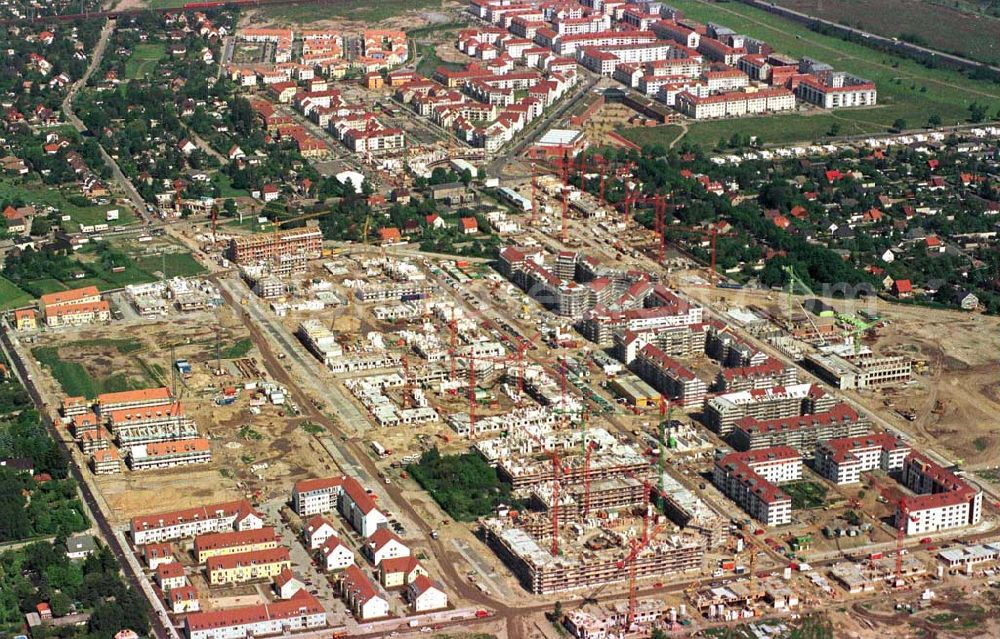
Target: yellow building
pixel 25 320
pixel 247 566
pixel 232 543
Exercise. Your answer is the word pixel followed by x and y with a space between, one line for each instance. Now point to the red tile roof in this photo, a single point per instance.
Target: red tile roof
pixel 253 558
pixel 214 541
pixel 300 604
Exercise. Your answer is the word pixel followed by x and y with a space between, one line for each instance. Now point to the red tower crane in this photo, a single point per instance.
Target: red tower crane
pixel 564 229
pixel 629 563
pixel 903 516
pixel 713 233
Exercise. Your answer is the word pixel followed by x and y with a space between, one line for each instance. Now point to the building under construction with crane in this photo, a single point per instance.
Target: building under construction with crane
pixel 291 246
pixel 597 558
pixel 589 498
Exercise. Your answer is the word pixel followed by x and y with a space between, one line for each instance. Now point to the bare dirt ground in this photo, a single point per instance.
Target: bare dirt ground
pixel 962 353
pixel 255 454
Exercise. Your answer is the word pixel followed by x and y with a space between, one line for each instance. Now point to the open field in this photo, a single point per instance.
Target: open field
pixel 143 60
pixel 170 264
pixel 940 27
pixel 11 296
pixel 906 90
pixel 352 10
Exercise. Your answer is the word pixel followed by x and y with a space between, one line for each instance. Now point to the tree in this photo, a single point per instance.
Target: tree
pixel 977 112
pixel 898 125
pixel 934 120
pixel 40 226
pixel 61 604
pixel 834 129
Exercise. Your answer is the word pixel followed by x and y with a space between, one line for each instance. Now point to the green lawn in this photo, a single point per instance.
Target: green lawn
pixel 48 285
pixel 907 90
pixel 358 10
pixel 143 60
pixel 176 265
pixel 226 189
pixel 11 296
pixel 35 192
pixel 805 494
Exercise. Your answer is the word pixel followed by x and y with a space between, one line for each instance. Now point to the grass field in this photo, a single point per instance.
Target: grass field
pixel 39 194
pixel 941 27
pixel 907 90
pixel 76 380
pixel 237 350
pixel 805 494
pixel 226 189
pixel 48 285
pixel 142 62
pixel 11 296
pixel 175 264
pixel 356 10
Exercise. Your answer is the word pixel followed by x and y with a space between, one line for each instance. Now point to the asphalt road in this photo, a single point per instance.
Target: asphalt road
pixel 67 108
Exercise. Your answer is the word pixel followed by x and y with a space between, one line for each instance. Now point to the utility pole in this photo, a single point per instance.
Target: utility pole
pixel 218 351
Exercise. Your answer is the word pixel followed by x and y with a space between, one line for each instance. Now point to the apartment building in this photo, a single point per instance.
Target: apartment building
pixel 263 247
pixel 191 522
pixel 74 307
pixel 374 139
pixel 723 411
pixel 169 454
pixel 721 80
pixel 842 460
pixel 359 509
pixel 315 496
pixel 242 567
pixel 943 500
pixel 230 543
pixel 735 103
pixel 108 403
pixel 837 90
pixel 675 341
pixel 669 30
pixel 301 612
pixel 568 45
pixel 802 432
pixel 182 600
pixel 669 376
pixel 750 479
pixel 729 349
pixel 317 530
pixel 771 372
pixel 362 596
pixel 662 310
pixel 94 440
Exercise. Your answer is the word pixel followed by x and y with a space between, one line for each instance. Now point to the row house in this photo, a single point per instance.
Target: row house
pixel 191 522
pixel 242 567
pixel 234 542
pixel 593 23
pixel 170 453
pixel 301 612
